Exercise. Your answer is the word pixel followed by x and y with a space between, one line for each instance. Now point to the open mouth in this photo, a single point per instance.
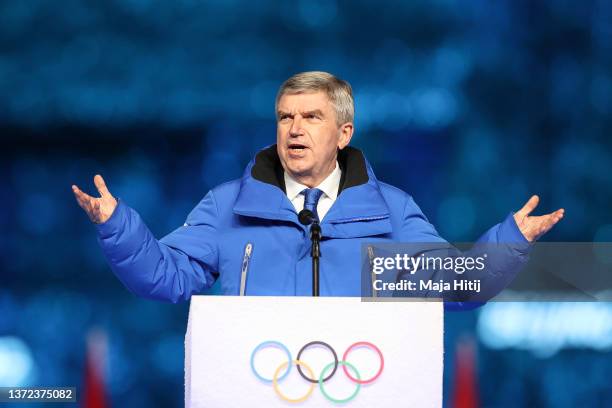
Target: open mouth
pixel 297 147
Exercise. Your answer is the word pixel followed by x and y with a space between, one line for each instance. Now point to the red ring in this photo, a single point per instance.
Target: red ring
pixel 366 344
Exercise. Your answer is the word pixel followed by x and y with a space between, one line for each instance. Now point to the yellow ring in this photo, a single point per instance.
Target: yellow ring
pixel 275 382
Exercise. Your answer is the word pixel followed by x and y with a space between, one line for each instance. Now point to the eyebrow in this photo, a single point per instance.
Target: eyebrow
pixel 318 112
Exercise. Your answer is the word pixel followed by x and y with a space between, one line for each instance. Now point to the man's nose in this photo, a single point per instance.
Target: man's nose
pixel 296 126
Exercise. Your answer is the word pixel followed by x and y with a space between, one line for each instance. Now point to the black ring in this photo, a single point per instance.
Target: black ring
pixel 321 343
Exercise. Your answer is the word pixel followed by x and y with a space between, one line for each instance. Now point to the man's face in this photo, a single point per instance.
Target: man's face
pixel 308 136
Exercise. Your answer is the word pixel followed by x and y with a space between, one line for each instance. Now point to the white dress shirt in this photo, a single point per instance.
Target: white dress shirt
pixel 329 186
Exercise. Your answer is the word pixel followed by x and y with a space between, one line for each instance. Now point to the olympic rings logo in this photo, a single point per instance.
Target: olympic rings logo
pixel 323 377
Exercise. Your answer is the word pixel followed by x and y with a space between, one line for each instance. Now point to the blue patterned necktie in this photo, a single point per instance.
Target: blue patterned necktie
pixel 311 198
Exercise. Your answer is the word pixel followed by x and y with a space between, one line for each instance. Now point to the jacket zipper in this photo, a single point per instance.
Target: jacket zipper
pixel 248 252
pixel 372 274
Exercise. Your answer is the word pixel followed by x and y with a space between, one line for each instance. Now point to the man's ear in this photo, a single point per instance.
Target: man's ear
pixel 346 133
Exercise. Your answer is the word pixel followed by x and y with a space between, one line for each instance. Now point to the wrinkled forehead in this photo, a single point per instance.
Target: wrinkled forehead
pixel 304 101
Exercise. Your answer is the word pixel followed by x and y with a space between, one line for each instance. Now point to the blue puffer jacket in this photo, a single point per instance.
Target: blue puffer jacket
pixel 246 233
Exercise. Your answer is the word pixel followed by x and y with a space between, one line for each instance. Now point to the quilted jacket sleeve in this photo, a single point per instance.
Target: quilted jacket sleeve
pixel 171 269
pixel 506 247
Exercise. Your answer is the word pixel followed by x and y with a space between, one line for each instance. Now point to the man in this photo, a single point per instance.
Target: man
pixel 246 232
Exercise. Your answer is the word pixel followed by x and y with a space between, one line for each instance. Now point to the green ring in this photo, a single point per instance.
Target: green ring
pixel 324 371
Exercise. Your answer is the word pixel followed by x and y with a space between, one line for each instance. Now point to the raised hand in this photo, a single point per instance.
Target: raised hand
pixel 533 227
pixel 98 209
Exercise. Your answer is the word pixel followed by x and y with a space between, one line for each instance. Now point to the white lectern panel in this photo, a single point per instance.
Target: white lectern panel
pixel 224 331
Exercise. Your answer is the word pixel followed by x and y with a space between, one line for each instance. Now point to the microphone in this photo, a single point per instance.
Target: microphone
pixel 306 217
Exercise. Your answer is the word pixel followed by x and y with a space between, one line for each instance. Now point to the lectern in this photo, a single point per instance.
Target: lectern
pixel 313 352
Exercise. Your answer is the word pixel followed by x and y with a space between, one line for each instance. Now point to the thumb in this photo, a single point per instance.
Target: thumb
pixel 529 206
pixel 101 186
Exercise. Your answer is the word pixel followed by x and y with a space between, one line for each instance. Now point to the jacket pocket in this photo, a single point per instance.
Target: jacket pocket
pixel 244 270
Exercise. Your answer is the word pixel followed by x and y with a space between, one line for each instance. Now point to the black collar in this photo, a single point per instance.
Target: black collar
pixel 268 168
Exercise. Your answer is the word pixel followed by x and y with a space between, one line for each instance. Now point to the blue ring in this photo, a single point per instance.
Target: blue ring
pixel 271 343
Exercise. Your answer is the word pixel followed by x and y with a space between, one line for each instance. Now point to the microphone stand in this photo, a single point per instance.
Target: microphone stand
pixel 315 253
pixel 306 217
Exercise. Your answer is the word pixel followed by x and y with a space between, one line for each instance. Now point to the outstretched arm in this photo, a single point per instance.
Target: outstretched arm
pixel 508 244
pixel 146 266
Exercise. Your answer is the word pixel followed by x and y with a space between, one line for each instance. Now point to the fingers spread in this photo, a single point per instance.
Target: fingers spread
pixel 101 185
pixel 89 204
pixel 533 227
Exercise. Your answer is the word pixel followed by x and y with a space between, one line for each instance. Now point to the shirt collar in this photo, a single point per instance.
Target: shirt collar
pixel 329 186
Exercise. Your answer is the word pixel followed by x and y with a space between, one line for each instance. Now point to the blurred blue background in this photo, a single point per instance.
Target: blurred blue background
pixel 469 106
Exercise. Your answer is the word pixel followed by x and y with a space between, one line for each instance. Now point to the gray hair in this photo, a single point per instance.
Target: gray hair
pixel 338 91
